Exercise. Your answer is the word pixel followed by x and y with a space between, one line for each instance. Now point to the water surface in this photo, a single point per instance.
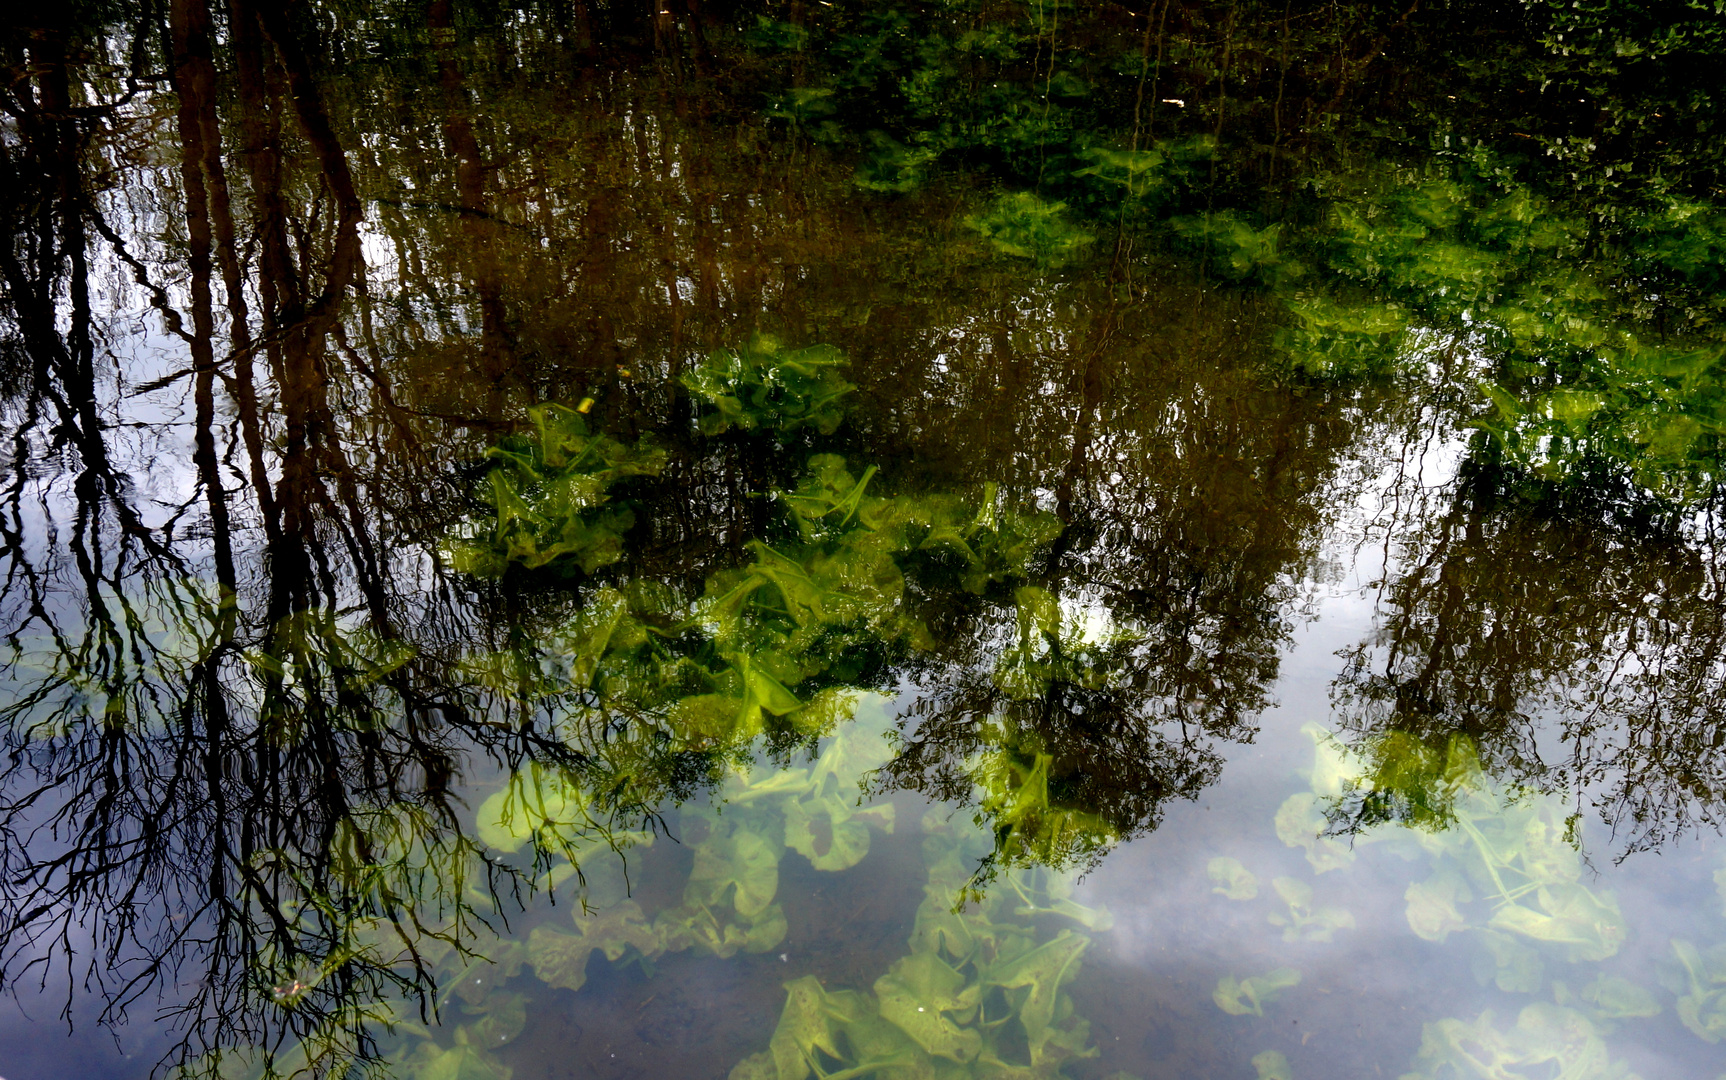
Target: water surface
pixel 862 540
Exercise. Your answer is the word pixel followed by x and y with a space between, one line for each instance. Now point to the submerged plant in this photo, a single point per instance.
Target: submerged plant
pixel 1272 1065
pixel 550 495
pixel 1303 921
pixel 1249 996
pixel 1700 983
pixel 1513 850
pixel 767 386
pixel 1546 1041
pixel 976 997
pixel 1232 880
pixel 1027 227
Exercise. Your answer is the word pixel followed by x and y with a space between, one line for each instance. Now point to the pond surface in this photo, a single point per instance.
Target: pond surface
pixel 865 539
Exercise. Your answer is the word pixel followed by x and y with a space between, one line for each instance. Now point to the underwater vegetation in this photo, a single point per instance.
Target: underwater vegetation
pixel 977 995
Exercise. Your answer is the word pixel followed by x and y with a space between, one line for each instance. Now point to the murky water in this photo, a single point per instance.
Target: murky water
pixel 862 540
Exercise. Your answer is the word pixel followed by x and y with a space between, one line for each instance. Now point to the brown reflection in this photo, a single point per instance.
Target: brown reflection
pixel 243 696
pixel 1193 494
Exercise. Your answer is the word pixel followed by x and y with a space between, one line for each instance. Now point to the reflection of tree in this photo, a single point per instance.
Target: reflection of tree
pixel 224 767
pixel 1575 639
pixel 243 697
pixel 1189 492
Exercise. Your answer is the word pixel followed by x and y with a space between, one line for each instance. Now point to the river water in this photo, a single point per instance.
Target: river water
pixel 862 540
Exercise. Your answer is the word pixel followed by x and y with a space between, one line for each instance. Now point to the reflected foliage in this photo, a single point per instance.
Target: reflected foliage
pixel 1012 363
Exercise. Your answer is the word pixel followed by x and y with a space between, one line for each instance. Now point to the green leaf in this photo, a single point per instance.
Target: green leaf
pixel 1303 921
pixel 1512 966
pixel 1022 225
pixel 499 1019
pixel 1700 983
pixel 767 386
pixel 1547 1041
pixel 536 802
pixel 1241 997
pixel 1300 823
pixel 1613 998
pixel 1038 976
pixel 819 1027
pixel 930 1002
pixel 1588 926
pixel 828 832
pixel 735 866
pixel 1432 905
pixel 1231 879
pixel 1272 1065
pixel 430 1061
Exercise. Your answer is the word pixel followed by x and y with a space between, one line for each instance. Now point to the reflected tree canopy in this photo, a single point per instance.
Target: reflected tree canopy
pixel 447 442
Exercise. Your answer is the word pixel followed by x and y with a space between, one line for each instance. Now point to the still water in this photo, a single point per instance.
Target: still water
pixel 869 539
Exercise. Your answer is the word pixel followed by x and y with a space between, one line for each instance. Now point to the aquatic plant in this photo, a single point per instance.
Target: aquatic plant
pixel 1303 921
pixel 976 997
pixel 1700 983
pixel 1546 1041
pixel 1231 879
pixel 1027 227
pixel 551 499
pixel 767 386
pixel 1249 996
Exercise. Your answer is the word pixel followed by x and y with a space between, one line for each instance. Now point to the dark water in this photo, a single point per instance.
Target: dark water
pixel 889 540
